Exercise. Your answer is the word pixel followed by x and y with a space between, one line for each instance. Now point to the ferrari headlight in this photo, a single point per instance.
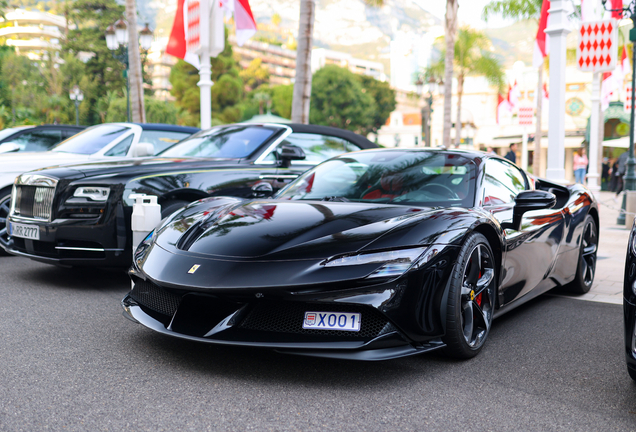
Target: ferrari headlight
pixel 93 193
pixel 395 262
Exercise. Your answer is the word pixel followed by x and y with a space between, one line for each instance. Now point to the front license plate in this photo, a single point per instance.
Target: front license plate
pixel 332 321
pixel 25 231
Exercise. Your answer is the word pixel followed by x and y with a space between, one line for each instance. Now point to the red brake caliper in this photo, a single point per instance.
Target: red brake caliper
pixel 478 298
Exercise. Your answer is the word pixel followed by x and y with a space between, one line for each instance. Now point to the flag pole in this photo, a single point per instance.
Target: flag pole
pixel 592 175
pixel 205 69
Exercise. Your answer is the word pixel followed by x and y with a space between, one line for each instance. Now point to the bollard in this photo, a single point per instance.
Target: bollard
pixel 146 216
pixel 630 208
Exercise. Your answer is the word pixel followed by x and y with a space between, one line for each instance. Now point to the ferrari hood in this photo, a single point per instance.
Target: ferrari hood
pixel 289 230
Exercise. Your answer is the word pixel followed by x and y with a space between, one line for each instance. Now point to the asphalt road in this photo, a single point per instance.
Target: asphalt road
pixel 70 361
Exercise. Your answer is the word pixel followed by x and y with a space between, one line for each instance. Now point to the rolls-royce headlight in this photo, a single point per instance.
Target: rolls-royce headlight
pixel 93 193
pixel 395 262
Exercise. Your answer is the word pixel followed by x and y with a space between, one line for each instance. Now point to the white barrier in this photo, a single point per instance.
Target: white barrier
pixel 146 216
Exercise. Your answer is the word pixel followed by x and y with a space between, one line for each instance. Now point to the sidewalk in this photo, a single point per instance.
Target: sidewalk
pixel 610 267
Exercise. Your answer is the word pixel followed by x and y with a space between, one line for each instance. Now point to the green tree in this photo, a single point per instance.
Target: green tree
pixel 157 111
pixel 384 97
pixel 254 75
pixel 102 72
pixel 282 96
pixel 338 99
pixel 227 91
pixel 471 57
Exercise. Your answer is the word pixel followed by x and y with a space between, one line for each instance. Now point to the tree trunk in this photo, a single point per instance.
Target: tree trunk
pixel 536 159
pixel 302 83
pixel 458 119
pixel 450 30
pixel 135 76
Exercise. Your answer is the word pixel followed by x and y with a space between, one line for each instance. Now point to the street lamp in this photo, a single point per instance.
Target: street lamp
pixel 76 96
pixel 117 41
pixel 429 87
pixel 629 181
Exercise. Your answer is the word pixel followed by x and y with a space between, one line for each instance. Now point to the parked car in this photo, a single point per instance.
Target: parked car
pixel 35 138
pixel 629 304
pixel 80 214
pixel 370 255
pixel 104 141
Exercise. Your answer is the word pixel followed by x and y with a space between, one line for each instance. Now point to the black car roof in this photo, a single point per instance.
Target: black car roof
pixel 168 127
pixel 355 138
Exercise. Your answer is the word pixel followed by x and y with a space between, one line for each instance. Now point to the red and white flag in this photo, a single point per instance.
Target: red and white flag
pixel 613 81
pixel 178 42
pixel 514 94
pixel 245 22
pixel 184 37
pixel 503 107
pixel 541 42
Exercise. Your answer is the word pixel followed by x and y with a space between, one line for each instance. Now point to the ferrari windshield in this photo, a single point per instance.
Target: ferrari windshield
pixel 227 142
pixel 426 178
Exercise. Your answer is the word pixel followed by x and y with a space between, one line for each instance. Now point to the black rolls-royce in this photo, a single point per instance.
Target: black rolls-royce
pixel 80 214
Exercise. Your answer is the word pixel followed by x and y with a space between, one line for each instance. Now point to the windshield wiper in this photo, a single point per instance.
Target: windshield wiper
pixel 335 199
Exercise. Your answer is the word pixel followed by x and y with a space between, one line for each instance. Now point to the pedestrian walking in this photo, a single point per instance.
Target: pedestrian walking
pixel 580 165
pixel 621 170
pixel 613 172
pixel 512 153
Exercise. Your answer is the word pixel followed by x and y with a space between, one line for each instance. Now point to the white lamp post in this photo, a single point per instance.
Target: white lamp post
pixel 558 30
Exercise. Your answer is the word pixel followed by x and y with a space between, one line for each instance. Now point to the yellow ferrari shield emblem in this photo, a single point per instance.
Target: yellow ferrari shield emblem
pixel 472 294
pixel 194 268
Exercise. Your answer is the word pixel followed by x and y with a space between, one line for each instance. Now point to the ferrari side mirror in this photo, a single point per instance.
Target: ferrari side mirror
pixel 262 190
pixel 530 200
pixel 289 152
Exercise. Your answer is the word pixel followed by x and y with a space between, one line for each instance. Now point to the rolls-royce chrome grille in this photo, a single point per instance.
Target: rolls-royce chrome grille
pixel 33 197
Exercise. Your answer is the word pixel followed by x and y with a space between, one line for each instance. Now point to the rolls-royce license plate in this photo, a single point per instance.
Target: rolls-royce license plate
pixel 30 232
pixel 332 321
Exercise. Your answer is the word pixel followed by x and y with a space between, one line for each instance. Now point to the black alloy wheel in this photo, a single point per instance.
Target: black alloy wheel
pixel 5 207
pixel 471 299
pixel 586 268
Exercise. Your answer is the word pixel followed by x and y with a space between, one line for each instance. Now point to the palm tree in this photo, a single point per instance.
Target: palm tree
pixel 302 83
pixel 137 110
pixel 471 57
pixel 450 28
pixel 523 10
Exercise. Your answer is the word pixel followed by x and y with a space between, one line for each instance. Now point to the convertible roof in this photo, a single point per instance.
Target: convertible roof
pixel 355 138
pixel 168 127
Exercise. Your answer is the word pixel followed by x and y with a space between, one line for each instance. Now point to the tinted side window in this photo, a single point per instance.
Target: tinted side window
pixel 502 182
pixel 319 147
pixel 39 140
pixel 162 139
pixel 121 149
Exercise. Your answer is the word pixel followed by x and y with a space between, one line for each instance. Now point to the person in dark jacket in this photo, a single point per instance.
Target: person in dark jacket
pixel 622 169
pixel 512 153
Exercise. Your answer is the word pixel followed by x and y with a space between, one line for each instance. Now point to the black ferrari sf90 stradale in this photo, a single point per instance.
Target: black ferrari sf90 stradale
pixel 370 255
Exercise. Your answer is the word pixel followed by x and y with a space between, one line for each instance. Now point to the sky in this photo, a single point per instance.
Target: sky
pixel 468 10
